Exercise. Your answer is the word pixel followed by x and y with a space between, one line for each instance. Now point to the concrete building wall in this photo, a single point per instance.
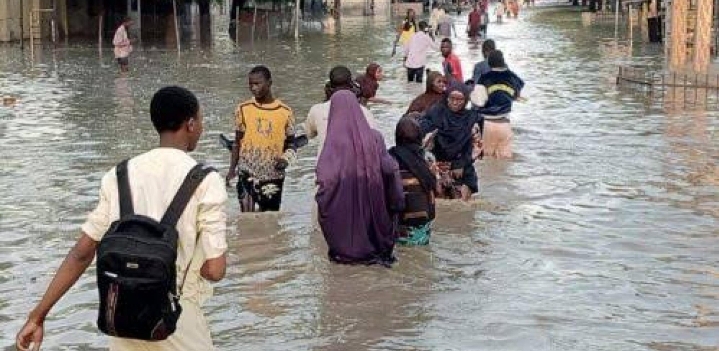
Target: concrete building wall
pixel 11 16
pixel 361 6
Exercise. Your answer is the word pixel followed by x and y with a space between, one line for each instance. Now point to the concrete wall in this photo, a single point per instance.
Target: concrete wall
pixel 402 7
pixel 11 14
pixel 361 6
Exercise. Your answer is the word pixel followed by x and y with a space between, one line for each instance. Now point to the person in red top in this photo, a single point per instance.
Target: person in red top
pixel 452 66
pixel 474 23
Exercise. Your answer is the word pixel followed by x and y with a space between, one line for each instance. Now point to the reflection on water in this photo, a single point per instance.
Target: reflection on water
pixel 600 235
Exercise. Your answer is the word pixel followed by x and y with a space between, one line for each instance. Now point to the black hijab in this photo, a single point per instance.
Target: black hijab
pixel 409 154
pixel 454 129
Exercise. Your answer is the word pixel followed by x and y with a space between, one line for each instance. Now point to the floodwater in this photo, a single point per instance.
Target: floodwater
pixel 601 235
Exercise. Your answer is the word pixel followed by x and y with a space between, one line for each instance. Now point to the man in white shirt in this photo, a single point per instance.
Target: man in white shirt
pixel 416 51
pixel 437 14
pixel 123 46
pixel 155 178
pixel 316 123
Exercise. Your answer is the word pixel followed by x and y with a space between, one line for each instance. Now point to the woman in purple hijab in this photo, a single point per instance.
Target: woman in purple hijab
pixel 359 194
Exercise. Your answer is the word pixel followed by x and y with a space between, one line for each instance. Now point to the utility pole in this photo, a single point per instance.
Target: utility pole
pixel 702 41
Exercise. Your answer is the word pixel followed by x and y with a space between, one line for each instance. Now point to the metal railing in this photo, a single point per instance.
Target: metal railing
pixel 675 87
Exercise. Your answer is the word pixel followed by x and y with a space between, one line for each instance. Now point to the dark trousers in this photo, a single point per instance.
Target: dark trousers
pixel 655 29
pixel 266 194
pixel 415 74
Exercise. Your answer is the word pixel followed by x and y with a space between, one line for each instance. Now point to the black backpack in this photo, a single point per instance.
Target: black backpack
pixel 136 274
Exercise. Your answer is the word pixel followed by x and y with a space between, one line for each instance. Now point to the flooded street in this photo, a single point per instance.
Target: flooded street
pixel 602 234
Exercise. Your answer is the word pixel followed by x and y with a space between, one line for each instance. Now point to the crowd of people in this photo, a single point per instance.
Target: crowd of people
pixel 369 197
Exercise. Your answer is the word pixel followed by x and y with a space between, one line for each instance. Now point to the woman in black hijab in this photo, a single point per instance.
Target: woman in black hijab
pixel 456 135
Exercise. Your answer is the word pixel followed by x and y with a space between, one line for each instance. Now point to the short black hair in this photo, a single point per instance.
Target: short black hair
pixel 447 40
pixel 264 71
pixel 171 107
pixel 423 25
pixel 340 76
pixel 488 46
pixel 496 59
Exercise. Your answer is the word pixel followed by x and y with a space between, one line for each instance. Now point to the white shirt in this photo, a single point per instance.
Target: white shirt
pixel 122 43
pixel 155 177
pixel 316 123
pixel 434 18
pixel 417 50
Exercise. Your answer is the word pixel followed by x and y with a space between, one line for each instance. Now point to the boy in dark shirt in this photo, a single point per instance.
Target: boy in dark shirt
pixel 503 87
pixel 494 95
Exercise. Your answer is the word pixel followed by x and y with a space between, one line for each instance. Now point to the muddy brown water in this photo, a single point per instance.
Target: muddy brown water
pixel 600 235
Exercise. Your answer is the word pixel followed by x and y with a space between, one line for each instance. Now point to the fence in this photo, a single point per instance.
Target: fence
pixel 675 87
pixel 609 17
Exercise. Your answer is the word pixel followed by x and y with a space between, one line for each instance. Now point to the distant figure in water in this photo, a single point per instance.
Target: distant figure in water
pixel 359 195
pixel 405 31
pixel 500 11
pixel 419 182
pixel 451 64
pixel 436 84
pixel 416 52
pixel 445 27
pixel 474 23
pixel 369 84
pixel 513 9
pixel 123 46
pixel 456 136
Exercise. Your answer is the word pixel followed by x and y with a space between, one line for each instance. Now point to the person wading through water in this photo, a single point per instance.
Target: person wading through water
pixel 436 84
pixel 416 51
pixel 369 84
pixel 418 180
pixel 264 145
pixel 456 137
pixel 359 188
pixel 317 118
pixel 405 31
pixel 123 45
pixel 494 96
pixel 153 180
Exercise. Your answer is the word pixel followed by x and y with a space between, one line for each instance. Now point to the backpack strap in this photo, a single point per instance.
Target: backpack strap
pixel 123 189
pixel 193 179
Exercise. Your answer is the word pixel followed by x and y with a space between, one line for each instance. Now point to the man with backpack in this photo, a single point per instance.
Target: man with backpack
pixel 159 235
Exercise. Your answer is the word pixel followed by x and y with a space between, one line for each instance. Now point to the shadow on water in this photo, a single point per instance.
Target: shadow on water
pixel 600 235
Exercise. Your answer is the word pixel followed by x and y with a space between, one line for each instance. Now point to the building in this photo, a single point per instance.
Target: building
pixel 96 18
pixel 691 32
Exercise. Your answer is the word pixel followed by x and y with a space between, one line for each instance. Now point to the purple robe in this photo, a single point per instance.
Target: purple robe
pixel 360 189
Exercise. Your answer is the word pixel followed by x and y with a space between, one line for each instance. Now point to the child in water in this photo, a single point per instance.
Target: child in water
pixel 418 181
